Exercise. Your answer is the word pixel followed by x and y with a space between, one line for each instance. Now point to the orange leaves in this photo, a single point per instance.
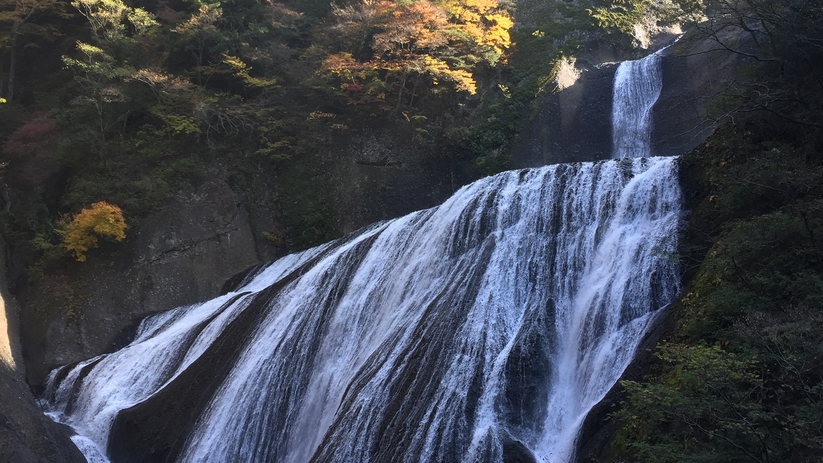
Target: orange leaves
pixel 405 46
pixel 461 78
pixel 416 28
pixel 80 232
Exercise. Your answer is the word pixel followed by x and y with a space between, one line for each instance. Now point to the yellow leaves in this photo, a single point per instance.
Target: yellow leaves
pixel 177 123
pixel 80 232
pixel 201 22
pixel 441 40
pixel 462 79
pixel 142 20
pixel 241 70
pixel 106 18
pixel 341 65
pixel 497 35
pixel 318 115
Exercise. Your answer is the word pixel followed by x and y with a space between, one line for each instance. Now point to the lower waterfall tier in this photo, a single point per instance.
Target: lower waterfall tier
pixel 481 330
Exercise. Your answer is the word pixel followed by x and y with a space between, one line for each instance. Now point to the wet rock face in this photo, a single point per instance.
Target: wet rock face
pixel 179 256
pixel 26 435
pixel 696 72
pixel 574 124
pixel 385 172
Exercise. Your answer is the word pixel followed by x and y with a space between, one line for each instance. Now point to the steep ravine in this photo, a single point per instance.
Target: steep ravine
pixel 185 254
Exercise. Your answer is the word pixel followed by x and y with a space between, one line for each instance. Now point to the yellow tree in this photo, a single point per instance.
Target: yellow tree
pixel 412 41
pixel 80 231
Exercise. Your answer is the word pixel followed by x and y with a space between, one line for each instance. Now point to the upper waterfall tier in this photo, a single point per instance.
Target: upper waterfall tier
pixel 481 330
pixel 637 86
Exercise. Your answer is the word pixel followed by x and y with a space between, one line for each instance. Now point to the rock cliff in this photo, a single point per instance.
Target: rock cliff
pixel 26 435
pixel 571 124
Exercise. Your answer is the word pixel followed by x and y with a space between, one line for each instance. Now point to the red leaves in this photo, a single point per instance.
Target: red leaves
pixel 29 150
pixel 354 87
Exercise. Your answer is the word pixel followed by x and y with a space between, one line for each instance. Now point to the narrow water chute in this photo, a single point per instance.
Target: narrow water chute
pixel 637 86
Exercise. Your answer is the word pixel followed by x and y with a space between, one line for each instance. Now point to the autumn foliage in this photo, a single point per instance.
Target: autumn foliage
pixel 80 231
pixel 401 47
pixel 29 150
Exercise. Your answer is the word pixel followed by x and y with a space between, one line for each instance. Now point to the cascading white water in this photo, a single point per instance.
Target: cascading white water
pixel 486 327
pixel 637 86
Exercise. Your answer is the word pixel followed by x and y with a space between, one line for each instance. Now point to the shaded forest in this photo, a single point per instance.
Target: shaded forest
pixel 128 103
pixel 738 376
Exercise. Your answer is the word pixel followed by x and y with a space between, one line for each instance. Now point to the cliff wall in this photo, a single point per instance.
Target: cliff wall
pixel 26 435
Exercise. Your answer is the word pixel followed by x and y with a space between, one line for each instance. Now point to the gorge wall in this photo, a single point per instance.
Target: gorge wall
pixel 570 124
pixel 26 435
pixel 186 252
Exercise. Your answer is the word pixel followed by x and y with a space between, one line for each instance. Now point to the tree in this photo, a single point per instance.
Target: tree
pixel 784 38
pixel 108 18
pixel 200 30
pixel 21 15
pixel 102 68
pixel 29 151
pixel 80 232
pixel 394 45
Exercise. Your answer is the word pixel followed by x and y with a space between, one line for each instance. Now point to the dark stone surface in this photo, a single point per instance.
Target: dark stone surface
pixel 26 435
pixel 696 72
pixel 156 430
pixel 572 125
pixel 598 428
pixel 179 256
pixel 385 171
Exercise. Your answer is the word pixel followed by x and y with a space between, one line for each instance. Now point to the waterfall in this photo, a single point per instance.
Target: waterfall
pixel 637 86
pixel 482 330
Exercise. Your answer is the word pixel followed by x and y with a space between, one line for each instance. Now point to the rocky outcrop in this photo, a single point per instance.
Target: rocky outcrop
pixel 571 125
pixel 697 71
pixel 386 173
pixel 26 435
pixel 179 256
pixel 574 124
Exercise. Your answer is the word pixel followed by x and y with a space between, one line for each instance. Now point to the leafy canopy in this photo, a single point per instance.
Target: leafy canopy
pixel 80 231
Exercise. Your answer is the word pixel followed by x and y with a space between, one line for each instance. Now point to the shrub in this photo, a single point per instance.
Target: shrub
pixel 80 231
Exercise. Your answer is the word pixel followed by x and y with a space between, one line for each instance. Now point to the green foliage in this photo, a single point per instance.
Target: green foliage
pixel 742 377
pixel 108 18
pixel 621 15
pixel 706 396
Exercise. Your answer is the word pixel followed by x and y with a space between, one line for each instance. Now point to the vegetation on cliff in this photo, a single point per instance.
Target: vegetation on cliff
pixel 131 102
pixel 740 374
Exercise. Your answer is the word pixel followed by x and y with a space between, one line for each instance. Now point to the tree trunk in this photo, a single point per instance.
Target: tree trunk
pixel 400 95
pixel 12 65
